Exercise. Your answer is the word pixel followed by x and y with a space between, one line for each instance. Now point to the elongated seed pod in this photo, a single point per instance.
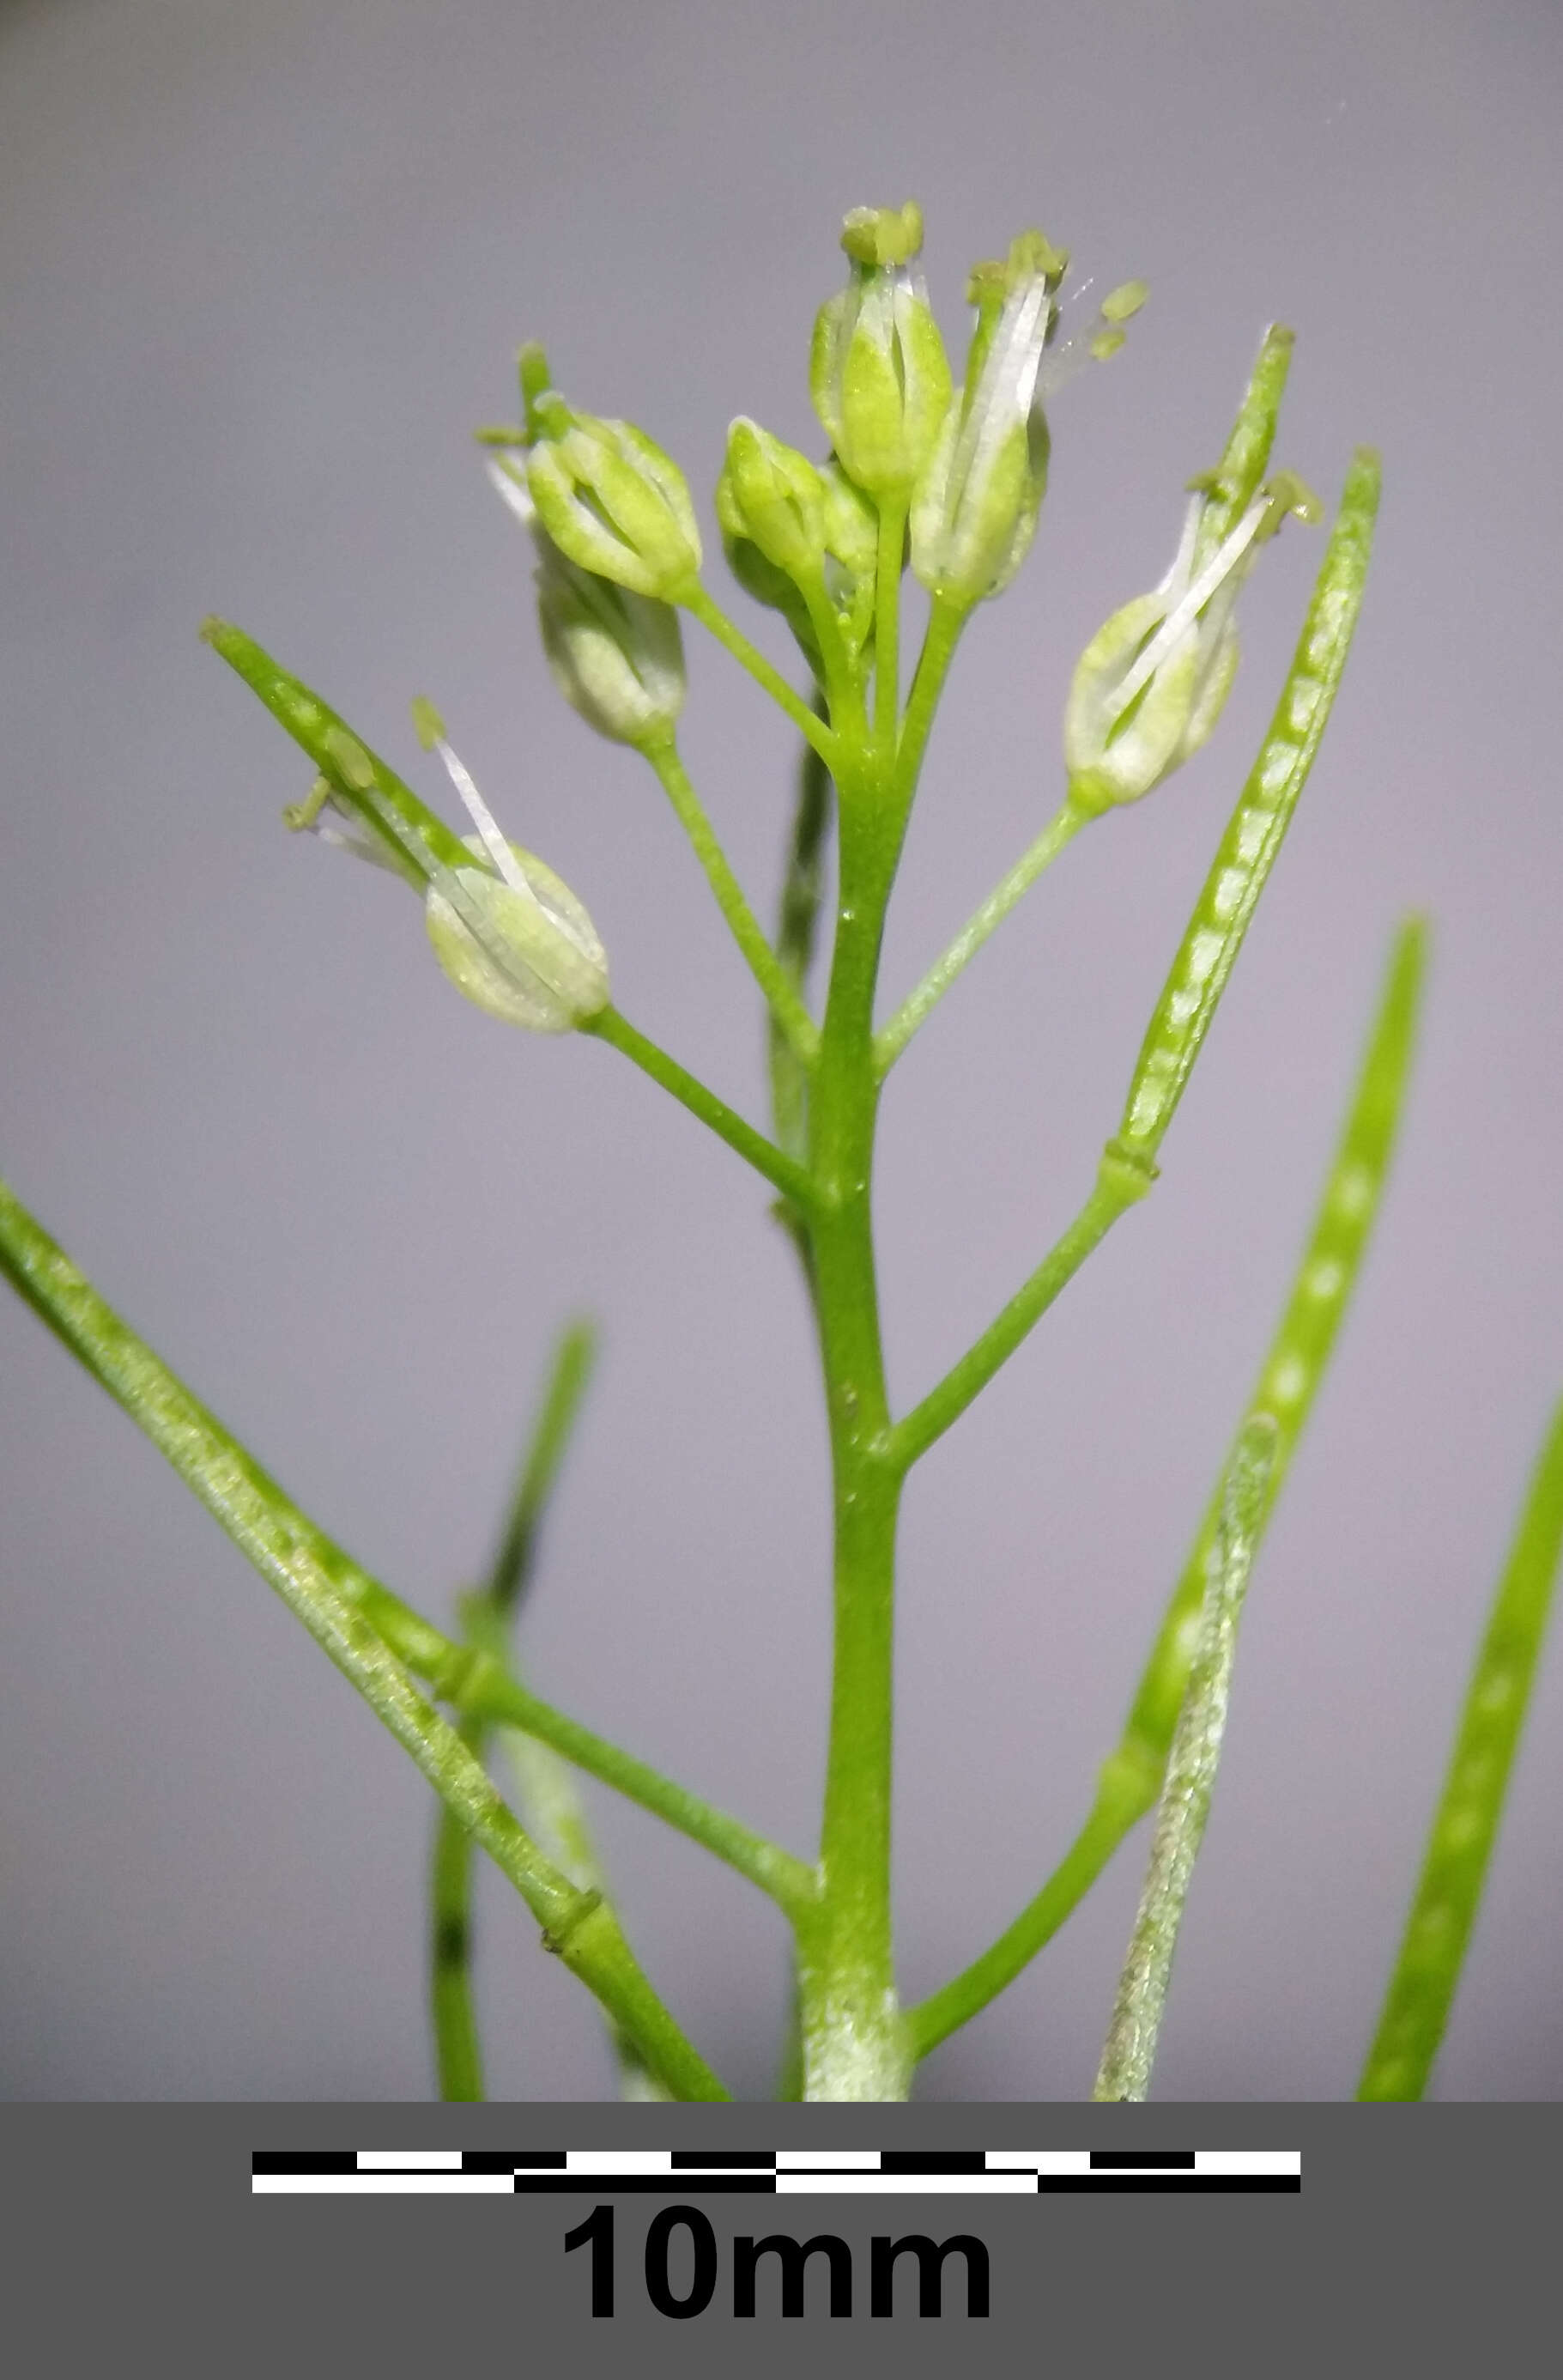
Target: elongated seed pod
pixel 1299 1355
pixel 1460 1848
pixel 1245 459
pixel 1257 826
pixel 1292 1371
pixel 417 839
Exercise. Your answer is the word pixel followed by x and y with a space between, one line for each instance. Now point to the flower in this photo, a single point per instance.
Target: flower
pixel 1152 683
pixel 877 371
pixel 974 510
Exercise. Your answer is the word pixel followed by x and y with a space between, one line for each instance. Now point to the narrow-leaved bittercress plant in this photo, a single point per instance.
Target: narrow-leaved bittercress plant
pixel 945 478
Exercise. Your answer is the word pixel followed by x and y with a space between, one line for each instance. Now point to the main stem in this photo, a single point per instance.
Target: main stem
pixel 854 2040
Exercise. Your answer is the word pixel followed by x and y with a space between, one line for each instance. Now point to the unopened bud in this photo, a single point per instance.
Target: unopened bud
pixel 615 656
pixel 614 503
pixel 771 494
pixel 877 372
pixel 845 558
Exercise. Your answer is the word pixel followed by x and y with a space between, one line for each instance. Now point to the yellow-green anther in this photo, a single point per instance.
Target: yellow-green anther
pixel 877 371
pixel 1126 300
pixel 973 513
pixel 427 725
pixel 521 946
pixel 614 503
pixel 883 235
pixel 773 495
pixel 1106 343
pixel 615 656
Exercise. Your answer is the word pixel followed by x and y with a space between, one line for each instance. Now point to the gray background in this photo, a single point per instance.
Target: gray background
pixel 262 268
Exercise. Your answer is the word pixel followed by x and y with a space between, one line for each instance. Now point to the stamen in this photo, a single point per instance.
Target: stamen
pixel 1185 612
pixel 513 489
pixel 505 863
pixel 357 847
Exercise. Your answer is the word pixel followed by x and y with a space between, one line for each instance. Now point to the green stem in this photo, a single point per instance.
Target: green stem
pixel 458 2051
pixel 1191 1763
pixel 1459 1847
pixel 476 1681
pixel 569 1375
pixel 550 1804
pixel 703 607
pixel 891 1039
pixel 1289 1382
pixel 310 1573
pixel 489 1693
pixel 1120 1186
pixel 853 2042
pixel 942 635
pixel 781 1171
pixel 781 992
pixel 458 2056
pixel 797 930
pixel 887 623
pixel 1125 1792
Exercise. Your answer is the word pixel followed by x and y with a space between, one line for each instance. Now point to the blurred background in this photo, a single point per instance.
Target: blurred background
pixel 263 269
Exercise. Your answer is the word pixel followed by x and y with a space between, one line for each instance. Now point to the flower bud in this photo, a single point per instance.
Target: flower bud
pixel 845 557
pixel 877 371
pixel 773 495
pixel 973 513
pixel 520 946
pixel 1152 683
pixel 760 578
pixel 613 502
pixel 616 657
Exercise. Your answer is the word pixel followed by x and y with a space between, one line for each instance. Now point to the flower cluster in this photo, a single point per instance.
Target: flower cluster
pixel 946 477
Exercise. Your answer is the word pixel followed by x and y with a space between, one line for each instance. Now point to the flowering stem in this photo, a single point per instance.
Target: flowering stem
pixel 703 607
pixel 791 1179
pixel 891 1039
pixel 780 989
pixel 853 2042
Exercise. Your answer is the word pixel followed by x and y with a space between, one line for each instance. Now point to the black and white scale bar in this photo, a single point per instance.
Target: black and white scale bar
pixel 774 2173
